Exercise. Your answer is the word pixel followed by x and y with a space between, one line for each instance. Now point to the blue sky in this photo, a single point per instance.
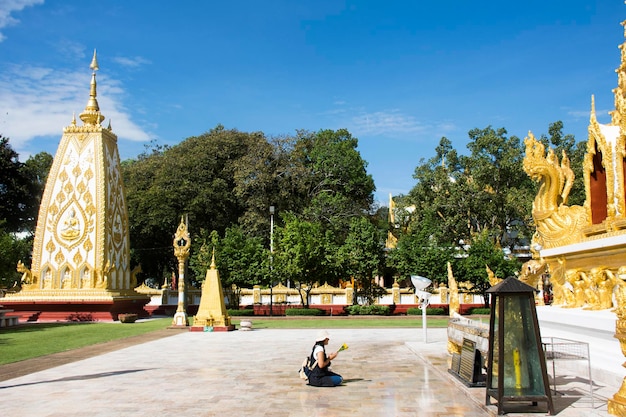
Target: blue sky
pixel 398 75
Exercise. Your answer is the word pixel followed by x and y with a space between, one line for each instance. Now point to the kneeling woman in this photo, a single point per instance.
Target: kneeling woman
pixel 321 376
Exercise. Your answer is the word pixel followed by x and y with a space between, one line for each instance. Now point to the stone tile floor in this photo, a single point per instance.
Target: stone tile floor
pixel 387 372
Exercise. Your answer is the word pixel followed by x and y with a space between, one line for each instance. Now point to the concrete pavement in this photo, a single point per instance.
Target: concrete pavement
pixel 387 372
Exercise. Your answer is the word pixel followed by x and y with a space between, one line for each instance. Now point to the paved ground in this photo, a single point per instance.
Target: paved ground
pixel 388 372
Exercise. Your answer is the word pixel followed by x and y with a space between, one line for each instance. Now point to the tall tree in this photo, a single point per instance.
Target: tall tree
pixel 15 199
pixel 242 260
pixel 35 169
pixel 479 254
pixel 337 184
pixel 362 257
pixel 195 178
pixel 502 189
pixel 304 254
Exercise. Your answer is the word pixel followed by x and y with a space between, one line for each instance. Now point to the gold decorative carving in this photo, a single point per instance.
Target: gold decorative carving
pixel 493 279
pixel 532 272
pixel 182 242
pixel 27 276
pixel 557 224
pixel 454 304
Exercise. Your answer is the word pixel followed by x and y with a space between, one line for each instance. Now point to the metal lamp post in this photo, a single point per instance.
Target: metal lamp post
pixel 421 283
pixel 271 257
pixel 182 243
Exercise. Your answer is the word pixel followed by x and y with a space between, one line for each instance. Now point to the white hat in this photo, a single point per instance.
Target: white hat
pixel 322 335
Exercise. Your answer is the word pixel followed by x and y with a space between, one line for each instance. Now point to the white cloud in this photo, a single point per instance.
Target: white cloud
pixel 7 7
pixel 39 101
pixel 385 122
pixel 133 62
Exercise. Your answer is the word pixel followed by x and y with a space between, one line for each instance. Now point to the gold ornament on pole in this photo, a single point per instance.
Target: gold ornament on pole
pixel 182 243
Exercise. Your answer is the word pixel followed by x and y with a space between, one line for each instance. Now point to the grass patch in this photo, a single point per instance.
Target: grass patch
pixel 33 340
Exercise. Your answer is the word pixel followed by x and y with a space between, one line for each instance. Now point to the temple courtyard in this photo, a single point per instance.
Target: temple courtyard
pixel 387 372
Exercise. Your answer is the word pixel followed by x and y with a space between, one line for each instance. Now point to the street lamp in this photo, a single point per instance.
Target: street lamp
pixel 271 257
pixel 421 283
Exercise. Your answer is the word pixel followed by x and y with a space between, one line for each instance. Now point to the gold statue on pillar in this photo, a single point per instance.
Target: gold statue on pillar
pixel 182 245
pixel 392 241
pixel 454 304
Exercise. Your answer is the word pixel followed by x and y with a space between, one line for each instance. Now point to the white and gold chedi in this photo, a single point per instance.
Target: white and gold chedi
pixel 81 248
pixel 584 248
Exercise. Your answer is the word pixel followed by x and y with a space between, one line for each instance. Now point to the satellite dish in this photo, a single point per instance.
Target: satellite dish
pixel 419 282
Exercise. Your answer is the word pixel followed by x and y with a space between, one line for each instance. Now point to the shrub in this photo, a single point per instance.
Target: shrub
pixel 367 310
pixel 434 311
pixel 303 312
pixel 242 312
pixel 480 310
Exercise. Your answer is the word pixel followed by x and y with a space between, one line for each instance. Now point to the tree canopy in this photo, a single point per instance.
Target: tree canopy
pixel 468 209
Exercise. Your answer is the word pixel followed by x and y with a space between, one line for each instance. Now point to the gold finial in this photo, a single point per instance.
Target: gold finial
pixel 91 115
pixel 213 266
pixel 94 62
pixel 593 108
pixel 73 118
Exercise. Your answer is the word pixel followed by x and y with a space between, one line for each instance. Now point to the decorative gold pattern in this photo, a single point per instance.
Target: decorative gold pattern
pixel 81 248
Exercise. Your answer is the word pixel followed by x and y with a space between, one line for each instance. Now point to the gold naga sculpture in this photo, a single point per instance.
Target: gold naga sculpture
pixel 557 224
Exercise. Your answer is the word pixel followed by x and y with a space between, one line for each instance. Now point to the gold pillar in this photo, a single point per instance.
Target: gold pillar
pixel 256 294
pixel 395 292
pixel 617 404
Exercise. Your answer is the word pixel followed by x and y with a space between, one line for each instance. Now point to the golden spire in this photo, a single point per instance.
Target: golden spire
pixel 213 266
pixel 91 115
pixel 592 116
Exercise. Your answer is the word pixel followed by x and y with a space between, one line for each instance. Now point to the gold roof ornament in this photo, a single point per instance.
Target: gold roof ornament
pixel 92 115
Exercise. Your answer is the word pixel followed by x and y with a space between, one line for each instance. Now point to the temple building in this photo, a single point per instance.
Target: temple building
pixel 584 247
pixel 81 254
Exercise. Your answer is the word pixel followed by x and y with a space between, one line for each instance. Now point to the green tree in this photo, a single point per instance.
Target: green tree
pixel 15 199
pixel 195 178
pixel 361 257
pixel 304 254
pixel 13 249
pixel 502 190
pixel 482 252
pixel 335 183
pixel 242 261
pixel 35 169
pixel 418 256
pixel 442 197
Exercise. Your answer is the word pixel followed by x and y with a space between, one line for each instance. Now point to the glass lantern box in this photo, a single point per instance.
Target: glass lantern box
pixel 516 366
